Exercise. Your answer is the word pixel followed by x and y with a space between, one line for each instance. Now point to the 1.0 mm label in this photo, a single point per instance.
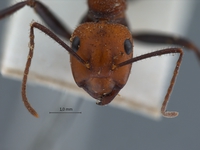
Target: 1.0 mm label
pixel 66 109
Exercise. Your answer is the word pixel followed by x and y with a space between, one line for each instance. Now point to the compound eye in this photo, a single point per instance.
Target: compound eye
pixel 75 44
pixel 128 47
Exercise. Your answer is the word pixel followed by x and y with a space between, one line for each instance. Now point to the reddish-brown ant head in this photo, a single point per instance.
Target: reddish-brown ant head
pixel 103 45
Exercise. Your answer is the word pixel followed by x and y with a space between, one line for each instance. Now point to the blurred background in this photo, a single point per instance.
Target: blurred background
pixel 101 127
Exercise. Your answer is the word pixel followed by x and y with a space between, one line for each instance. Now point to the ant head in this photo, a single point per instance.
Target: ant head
pixel 102 45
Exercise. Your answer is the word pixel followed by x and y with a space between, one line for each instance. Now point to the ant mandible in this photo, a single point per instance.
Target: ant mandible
pixel 101 52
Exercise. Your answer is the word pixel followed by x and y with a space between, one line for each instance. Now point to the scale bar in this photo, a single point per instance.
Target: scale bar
pixel 65 112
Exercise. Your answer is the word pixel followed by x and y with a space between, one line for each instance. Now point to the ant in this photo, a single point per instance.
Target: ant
pixel 101 51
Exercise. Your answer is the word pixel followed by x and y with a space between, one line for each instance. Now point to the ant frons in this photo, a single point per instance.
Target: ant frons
pixel 101 52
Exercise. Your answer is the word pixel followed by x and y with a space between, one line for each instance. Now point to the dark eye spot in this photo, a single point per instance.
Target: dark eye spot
pixel 75 44
pixel 128 47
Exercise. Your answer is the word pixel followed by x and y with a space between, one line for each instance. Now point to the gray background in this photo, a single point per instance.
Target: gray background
pixel 103 127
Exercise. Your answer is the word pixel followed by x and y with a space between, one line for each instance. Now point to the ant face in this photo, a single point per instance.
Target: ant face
pixel 103 45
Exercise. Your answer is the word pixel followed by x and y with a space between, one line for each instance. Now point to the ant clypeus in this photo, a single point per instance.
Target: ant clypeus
pixel 101 53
